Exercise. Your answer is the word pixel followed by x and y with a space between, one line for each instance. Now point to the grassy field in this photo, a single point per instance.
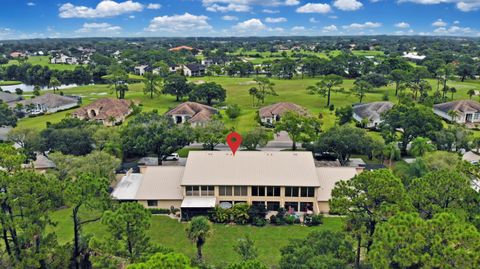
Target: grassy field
pixel 9 82
pixel 265 55
pixel 237 93
pixel 219 247
pixel 44 61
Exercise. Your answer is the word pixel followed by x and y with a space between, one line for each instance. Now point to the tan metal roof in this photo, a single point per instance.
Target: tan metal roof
pixel 161 183
pixel 249 168
pixel 328 176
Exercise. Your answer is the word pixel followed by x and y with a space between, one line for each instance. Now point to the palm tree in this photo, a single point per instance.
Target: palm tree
pixel 420 146
pixel 452 90
pixel 152 84
pixel 453 115
pixel 391 152
pixel 54 84
pixel 198 230
pixel 254 93
pixel 471 93
pixel 476 143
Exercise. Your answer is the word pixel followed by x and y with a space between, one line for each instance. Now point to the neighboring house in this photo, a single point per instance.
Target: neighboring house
pixel 8 98
pixel 4 130
pixel 467 111
pixel 193 113
pixel 370 113
pixel 272 113
pixel 108 111
pixel 179 48
pixel 413 56
pixel 211 178
pixel 471 157
pixel 63 59
pixel 41 164
pixel 174 68
pixel 142 69
pixel 193 70
pixel 44 104
pixel 17 54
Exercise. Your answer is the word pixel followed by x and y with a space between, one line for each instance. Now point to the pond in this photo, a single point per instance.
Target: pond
pixel 29 88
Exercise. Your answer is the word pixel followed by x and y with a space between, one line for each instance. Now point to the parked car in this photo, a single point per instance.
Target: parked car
pixel 172 157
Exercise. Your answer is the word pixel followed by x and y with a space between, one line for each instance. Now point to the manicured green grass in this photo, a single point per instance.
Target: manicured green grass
pixel 9 82
pixel 237 93
pixel 218 249
pixel 44 61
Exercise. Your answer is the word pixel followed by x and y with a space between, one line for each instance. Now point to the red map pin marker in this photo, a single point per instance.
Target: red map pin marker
pixel 234 140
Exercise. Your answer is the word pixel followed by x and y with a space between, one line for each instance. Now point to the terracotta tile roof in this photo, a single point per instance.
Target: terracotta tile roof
pixel 461 105
pixel 106 108
pixel 181 48
pixel 280 109
pixel 198 112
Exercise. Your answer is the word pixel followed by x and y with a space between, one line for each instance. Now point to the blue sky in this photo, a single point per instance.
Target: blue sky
pixel 72 18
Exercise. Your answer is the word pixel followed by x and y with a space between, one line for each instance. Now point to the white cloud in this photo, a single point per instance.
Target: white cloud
pixel 314 8
pixel 402 25
pixel 244 5
pixel 439 23
pixel 131 17
pixel 229 18
pixel 175 23
pixel 103 28
pixel 270 11
pixel 347 5
pixel 291 2
pixel 313 20
pixel 106 8
pixel 456 22
pixel 298 29
pixel 329 28
pixel 31 4
pixel 275 20
pixel 361 26
pixel 154 6
pixel 463 5
pixel 228 8
pixel 453 30
pixel 252 25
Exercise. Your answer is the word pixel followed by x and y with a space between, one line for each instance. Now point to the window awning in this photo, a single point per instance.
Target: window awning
pixel 198 202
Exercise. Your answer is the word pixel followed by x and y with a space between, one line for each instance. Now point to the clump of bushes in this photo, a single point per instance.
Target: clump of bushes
pixel 233 111
pixel 159 210
pixel 240 213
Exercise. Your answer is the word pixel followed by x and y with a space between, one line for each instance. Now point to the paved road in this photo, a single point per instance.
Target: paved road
pixel 280 142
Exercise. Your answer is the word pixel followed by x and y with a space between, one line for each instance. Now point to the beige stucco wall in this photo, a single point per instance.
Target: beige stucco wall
pixel 249 198
pixel 163 204
pixel 323 207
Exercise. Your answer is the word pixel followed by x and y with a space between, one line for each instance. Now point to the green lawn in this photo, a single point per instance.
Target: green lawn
pixel 9 82
pixel 44 61
pixel 219 247
pixel 237 93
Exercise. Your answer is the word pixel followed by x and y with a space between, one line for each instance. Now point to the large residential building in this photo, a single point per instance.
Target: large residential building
pixel 218 178
pixel 272 113
pixel 7 97
pixel 465 111
pixel 108 111
pixel 370 113
pixel 63 59
pixel 193 70
pixel 193 113
pixel 47 103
